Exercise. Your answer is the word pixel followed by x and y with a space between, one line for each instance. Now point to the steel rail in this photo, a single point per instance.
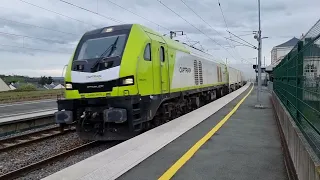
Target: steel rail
pixel 37 165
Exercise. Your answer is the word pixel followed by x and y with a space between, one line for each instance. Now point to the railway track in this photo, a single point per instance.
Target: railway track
pixel 16 141
pixel 34 166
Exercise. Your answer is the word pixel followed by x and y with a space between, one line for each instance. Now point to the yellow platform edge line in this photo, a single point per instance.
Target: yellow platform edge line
pixel 176 166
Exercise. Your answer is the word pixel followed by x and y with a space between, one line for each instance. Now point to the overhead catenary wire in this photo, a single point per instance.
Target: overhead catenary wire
pixel 242 43
pixel 242 39
pixel 199 16
pixel 188 39
pixel 137 14
pixel 115 20
pixel 25 36
pixel 140 16
pixel 207 23
pixel 223 15
pixel 246 34
pixel 61 52
pixel 233 46
pixel 85 22
pixel 195 27
pixel 121 8
pixel 57 13
pixel 226 24
pixel 106 17
pixel 75 18
pixel 225 21
pixel 41 27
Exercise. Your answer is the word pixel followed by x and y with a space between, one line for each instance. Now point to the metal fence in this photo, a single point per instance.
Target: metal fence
pixel 297 84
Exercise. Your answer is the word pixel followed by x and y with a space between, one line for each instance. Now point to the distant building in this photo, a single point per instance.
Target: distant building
pixel 264 76
pixel 4 86
pixel 12 87
pixel 311 70
pixel 59 86
pixel 280 51
pixel 53 86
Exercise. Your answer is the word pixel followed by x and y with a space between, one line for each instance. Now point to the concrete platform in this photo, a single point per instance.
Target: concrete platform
pixel 10 115
pixel 14 124
pixel 15 109
pixel 27 116
pixel 246 147
pixel 117 160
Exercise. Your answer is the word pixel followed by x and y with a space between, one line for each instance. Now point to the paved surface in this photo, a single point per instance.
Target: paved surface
pixel 246 147
pixel 115 161
pixel 7 110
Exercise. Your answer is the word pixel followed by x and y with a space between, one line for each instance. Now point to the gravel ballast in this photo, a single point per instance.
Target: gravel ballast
pixel 66 162
pixel 31 153
pixel 29 131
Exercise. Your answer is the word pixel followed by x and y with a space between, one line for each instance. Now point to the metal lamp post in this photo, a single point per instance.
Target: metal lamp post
pixel 258 37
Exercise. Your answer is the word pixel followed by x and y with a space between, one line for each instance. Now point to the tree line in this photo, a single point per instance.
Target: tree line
pixel 25 79
pixel 45 80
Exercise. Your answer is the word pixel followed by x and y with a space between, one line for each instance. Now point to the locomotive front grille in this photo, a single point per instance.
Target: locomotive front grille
pixel 95 86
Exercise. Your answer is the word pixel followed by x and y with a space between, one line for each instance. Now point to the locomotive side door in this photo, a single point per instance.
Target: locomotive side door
pixel 145 71
pixel 164 68
pixel 160 63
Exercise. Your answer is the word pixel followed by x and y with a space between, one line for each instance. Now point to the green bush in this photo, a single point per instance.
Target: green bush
pixel 26 87
pixel 16 95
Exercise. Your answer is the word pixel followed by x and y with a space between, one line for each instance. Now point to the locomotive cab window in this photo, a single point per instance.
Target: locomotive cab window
pixel 147 52
pixel 95 46
pixel 162 57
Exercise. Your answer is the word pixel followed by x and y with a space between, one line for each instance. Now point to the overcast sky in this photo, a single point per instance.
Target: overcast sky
pixel 36 42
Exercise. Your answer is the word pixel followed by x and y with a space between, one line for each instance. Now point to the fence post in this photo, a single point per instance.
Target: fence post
pixel 299 79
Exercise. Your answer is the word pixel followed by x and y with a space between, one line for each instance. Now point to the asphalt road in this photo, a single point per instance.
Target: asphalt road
pixel 7 110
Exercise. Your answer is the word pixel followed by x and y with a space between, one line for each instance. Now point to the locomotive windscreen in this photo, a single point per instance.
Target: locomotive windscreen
pixel 109 46
pixel 100 49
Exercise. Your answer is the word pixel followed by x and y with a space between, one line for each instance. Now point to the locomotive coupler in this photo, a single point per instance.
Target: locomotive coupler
pixel 63 117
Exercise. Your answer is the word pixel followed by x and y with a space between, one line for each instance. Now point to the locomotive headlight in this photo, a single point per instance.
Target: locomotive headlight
pixel 127 81
pixel 68 86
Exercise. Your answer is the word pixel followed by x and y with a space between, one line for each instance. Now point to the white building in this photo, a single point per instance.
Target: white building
pixel 59 86
pixel 280 51
pixel 311 73
pixel 3 86
pixel 12 87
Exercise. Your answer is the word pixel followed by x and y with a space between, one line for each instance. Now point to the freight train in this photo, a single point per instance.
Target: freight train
pixel 123 80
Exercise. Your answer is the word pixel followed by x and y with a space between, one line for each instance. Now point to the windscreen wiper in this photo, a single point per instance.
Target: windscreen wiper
pixel 112 46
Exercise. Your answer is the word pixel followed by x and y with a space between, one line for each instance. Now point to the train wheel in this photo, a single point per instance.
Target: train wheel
pixel 220 92
pixel 61 127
